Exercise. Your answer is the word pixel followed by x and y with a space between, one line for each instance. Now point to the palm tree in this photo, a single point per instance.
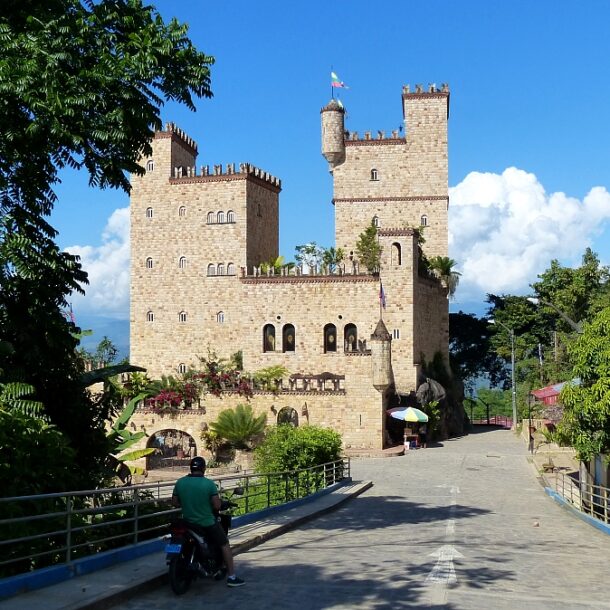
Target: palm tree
pixel 442 268
pixel 239 426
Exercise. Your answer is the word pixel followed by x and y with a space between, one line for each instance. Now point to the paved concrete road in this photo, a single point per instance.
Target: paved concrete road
pixel 462 525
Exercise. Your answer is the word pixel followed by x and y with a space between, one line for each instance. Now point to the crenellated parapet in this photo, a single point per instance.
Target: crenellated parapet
pixel 432 90
pixel 178 135
pixel 218 172
pixel 352 138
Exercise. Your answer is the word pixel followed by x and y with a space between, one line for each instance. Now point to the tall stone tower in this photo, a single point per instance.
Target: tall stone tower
pixel 333 144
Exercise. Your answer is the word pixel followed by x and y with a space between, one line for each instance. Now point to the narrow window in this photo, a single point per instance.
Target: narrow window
pixel 230 269
pixel 330 338
pixel 182 368
pixel 221 269
pixel 182 211
pixel 150 165
pixel 220 317
pixel 220 217
pixel 150 316
pixel 182 262
pixel 269 338
pixel 211 269
pixel 350 338
pixel 376 220
pixel 149 212
pixel 396 333
pixel 210 218
pixel 396 254
pixel 288 338
pixel 230 216
pixel 423 221
pixel 149 263
pixel 374 174
pixel 182 316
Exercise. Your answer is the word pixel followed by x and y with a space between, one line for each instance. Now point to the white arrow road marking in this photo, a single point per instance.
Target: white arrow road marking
pixel 444 571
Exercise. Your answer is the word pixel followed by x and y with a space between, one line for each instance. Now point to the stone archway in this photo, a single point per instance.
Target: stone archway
pixel 174 448
pixel 288 415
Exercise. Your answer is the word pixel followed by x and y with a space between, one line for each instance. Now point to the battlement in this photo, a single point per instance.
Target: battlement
pixel 228 172
pixel 173 131
pixel 352 138
pixel 433 91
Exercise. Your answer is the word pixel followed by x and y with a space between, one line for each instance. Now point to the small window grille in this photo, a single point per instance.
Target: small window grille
pixel 150 316
pixel 220 217
pixel 221 269
pixel 374 174
pixel 149 212
pixel 376 220
pixel 423 221
pixel 396 333
pixel 230 269
pixel 211 269
pixel 211 218
pixel 182 211
pixel 220 317
pixel 230 216
pixel 149 263
pixel 182 316
pixel 150 165
pixel 182 368
pixel 182 262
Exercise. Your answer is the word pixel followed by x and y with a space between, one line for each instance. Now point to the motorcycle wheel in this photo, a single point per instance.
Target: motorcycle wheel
pixel 179 576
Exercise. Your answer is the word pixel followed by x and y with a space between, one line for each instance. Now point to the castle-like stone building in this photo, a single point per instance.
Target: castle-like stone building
pixel 198 239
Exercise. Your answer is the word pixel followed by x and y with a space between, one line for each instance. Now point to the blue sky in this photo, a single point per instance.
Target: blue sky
pixel 528 131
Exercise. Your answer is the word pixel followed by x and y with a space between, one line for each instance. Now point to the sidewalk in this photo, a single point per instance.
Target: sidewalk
pixel 109 587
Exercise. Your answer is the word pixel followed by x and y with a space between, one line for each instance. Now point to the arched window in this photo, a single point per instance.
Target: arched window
pixel 423 221
pixel 221 269
pixel 396 254
pixel 376 220
pixel 350 338
pixel 182 368
pixel 288 415
pixel 150 165
pixel 230 216
pixel 211 269
pixel 374 174
pixel 220 317
pixel 210 218
pixel 330 338
pixel 182 262
pixel 220 217
pixel 230 269
pixel 288 338
pixel 149 212
pixel 269 338
pixel 182 316
pixel 149 263
pixel 150 316
pixel 182 211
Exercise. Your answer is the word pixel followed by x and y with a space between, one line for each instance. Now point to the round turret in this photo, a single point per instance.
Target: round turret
pixel 381 357
pixel 333 145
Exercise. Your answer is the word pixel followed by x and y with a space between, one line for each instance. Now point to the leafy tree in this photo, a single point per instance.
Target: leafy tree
pixel 309 255
pixel 270 377
pixel 332 257
pixel 470 350
pixel 443 268
pixel 105 352
pixel 586 418
pixel 239 426
pixel 81 86
pixel 276 265
pixel 368 249
pixel 288 448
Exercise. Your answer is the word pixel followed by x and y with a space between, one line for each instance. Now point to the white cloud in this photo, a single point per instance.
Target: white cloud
pixel 505 229
pixel 108 267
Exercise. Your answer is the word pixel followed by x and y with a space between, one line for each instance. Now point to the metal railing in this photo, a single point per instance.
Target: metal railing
pixel 586 497
pixel 494 420
pixel 53 529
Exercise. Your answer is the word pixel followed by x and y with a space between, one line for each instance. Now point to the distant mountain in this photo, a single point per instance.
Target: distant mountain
pixel 116 330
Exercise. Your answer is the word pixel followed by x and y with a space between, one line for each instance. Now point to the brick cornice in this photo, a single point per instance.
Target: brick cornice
pixel 426 95
pixel 412 198
pixel 407 231
pixel 226 178
pixel 310 279
pixel 384 142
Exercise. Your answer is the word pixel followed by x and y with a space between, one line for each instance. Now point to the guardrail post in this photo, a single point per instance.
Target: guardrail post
pixel 268 491
pixel 136 515
pixel 247 494
pixel 68 529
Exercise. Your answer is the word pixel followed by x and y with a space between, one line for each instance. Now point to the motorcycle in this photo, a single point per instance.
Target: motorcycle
pixel 190 556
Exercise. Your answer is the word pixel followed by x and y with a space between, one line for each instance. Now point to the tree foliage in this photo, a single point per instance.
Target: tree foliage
pixel 368 248
pixel 239 426
pixel 443 268
pixel 288 448
pixel 81 86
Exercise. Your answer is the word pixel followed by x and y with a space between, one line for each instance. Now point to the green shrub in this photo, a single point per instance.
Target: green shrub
pixel 290 448
pixel 239 426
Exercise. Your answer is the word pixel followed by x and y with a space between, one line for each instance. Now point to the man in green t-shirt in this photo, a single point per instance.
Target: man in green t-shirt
pixel 198 498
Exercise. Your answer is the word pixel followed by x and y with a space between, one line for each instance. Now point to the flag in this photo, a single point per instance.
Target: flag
pixel 335 82
pixel 381 295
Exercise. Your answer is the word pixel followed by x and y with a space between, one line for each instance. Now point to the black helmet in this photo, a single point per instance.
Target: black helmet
pixel 197 463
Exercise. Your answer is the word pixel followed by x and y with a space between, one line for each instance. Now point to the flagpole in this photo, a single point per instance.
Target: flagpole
pixel 332 89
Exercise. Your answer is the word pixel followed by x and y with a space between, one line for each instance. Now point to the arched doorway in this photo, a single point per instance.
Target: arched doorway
pixel 174 448
pixel 288 415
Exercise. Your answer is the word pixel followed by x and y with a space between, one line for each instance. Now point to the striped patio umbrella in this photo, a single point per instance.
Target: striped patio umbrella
pixel 410 414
